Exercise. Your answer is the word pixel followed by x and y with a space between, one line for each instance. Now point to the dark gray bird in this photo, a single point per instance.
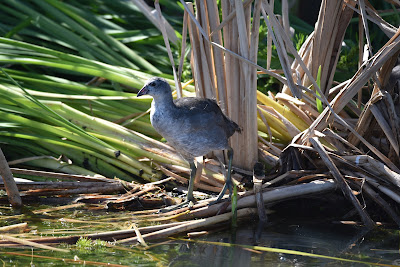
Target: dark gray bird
pixel 193 126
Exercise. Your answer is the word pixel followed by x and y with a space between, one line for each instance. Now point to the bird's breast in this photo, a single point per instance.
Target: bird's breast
pixel 160 119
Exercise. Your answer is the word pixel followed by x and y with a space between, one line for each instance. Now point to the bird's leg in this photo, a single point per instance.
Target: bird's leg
pixel 193 170
pixel 189 197
pixel 228 179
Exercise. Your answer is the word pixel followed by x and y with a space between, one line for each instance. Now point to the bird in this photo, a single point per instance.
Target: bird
pixel 194 126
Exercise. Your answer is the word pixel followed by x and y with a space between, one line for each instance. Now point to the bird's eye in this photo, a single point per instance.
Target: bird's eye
pixel 153 84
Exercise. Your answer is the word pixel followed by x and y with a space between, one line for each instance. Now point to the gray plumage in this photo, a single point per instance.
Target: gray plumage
pixel 193 126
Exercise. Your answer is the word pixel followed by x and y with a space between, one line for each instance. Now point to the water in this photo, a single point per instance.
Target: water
pixel 324 238
pixel 330 240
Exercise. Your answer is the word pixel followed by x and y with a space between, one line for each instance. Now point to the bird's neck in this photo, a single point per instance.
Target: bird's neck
pixel 163 101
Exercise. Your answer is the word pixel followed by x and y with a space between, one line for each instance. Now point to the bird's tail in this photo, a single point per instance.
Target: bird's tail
pixel 232 127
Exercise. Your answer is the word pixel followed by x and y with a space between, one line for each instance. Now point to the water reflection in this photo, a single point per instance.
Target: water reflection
pixel 327 239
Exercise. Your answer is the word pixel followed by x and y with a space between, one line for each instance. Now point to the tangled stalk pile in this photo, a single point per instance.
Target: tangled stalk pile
pixel 310 124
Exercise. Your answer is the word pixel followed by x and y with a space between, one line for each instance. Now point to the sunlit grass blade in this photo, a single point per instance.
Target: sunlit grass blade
pixel 56 116
pixel 234 207
pixel 107 41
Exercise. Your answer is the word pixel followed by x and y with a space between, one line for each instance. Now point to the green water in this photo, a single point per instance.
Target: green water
pixel 344 241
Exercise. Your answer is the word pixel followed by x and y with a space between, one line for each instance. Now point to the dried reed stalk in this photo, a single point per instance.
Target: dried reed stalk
pixel 323 45
pixel 247 199
pixel 376 167
pixel 218 56
pixel 163 28
pixel 8 179
pixel 31 244
pixel 357 82
pixel 231 81
pixel 216 187
pixel 380 201
pixel 382 108
pixel 280 39
pixel 19 227
pixel 369 223
pixel 107 236
pixel 190 225
pixel 152 16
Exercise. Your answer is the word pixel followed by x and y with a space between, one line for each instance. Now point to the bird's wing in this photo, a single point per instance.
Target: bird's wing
pixel 197 105
pixel 202 113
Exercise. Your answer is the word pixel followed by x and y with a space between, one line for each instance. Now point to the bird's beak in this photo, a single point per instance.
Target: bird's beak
pixel 143 91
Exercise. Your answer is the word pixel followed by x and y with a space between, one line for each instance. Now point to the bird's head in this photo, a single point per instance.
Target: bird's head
pixel 155 86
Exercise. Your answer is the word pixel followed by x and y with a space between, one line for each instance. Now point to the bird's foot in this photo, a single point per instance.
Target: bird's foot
pixel 187 203
pixel 222 193
pixel 218 200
